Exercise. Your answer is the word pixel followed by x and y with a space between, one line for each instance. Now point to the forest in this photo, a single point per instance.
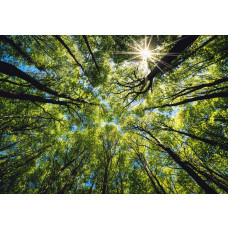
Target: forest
pixel 113 114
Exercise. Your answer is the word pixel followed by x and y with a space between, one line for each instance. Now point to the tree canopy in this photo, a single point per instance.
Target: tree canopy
pixel 113 114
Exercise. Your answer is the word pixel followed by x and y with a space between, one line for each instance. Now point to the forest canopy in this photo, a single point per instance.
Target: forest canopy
pixel 113 114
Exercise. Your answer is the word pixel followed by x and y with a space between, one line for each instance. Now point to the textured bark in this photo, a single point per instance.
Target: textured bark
pixel 183 165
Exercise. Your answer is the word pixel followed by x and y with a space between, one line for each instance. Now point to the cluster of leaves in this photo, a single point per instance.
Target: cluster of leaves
pixel 77 118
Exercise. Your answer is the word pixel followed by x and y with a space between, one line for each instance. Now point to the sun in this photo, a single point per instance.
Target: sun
pixel 141 52
pixel 145 54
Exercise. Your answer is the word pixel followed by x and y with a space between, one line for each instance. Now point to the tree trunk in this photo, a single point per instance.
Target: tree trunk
pixel 91 53
pixel 183 165
pixel 27 97
pixel 57 175
pixel 71 178
pixel 211 178
pixel 200 98
pixel 208 141
pixel 148 174
pixel 69 51
pixel 105 181
pixel 11 70
pixel 183 43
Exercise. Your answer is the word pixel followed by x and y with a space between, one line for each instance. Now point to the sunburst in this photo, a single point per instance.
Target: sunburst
pixel 145 54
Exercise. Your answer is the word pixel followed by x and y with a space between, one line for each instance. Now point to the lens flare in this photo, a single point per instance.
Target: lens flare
pixel 143 54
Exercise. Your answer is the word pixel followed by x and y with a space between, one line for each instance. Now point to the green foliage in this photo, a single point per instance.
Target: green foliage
pixel 75 126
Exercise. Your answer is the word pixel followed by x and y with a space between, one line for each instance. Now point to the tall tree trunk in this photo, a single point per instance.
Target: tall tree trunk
pixel 105 181
pixel 11 70
pixel 183 43
pixel 151 180
pixel 163 190
pixel 211 178
pixel 183 165
pixel 208 141
pixel 121 184
pixel 33 98
pixel 148 174
pixel 91 53
pixel 57 175
pixel 200 98
pixel 71 178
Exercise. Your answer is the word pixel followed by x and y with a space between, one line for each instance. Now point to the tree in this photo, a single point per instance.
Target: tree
pixel 113 114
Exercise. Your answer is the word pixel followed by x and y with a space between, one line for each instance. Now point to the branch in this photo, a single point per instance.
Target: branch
pixel 69 51
pixel 205 97
pixel 33 98
pixel 11 70
pixel 88 46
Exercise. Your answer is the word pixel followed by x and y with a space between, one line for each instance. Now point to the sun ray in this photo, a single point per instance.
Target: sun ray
pixel 156 65
pixel 137 56
pixel 163 62
pixel 127 44
pixel 137 45
pixel 168 44
pixel 145 47
pixel 163 53
pixel 142 51
pixel 150 40
pixel 126 52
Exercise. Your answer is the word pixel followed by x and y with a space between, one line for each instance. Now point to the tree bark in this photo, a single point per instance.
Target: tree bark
pixel 71 178
pixel 194 88
pixel 208 141
pixel 211 178
pixel 205 97
pixel 69 51
pixel 57 175
pixel 33 98
pixel 91 53
pixel 183 43
pixel 149 174
pixel 183 165
pixel 11 70
pixel 105 181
